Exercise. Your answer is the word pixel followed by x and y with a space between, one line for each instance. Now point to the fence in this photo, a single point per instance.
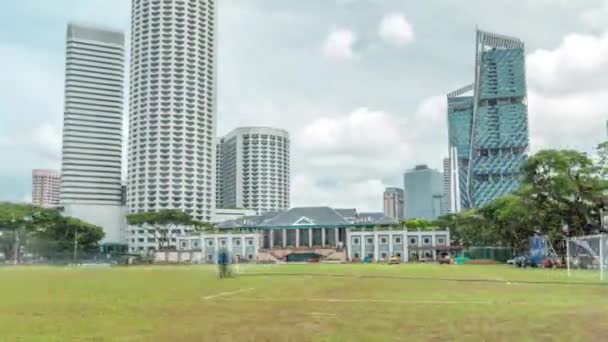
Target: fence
pixel 499 254
pixel 587 253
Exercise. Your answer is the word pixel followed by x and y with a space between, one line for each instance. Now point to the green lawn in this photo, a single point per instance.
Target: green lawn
pixel 301 303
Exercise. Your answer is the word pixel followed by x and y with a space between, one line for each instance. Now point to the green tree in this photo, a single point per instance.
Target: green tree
pixel 563 186
pixel 416 223
pixel 511 219
pixel 44 232
pixel 471 228
pixel 164 225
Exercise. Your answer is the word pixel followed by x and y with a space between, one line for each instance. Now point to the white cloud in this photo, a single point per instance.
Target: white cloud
pixel 396 30
pixel 339 44
pixel 365 195
pixel 580 62
pixel 567 94
pixel 595 17
pixel 47 138
pixel 356 146
pixel 576 120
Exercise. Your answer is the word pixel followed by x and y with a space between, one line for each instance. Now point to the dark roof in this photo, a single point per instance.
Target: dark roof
pixel 309 216
pixel 375 218
pixel 347 213
pixel 318 216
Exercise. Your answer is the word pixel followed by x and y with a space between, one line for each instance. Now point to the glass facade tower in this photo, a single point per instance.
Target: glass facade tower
pixel 489 129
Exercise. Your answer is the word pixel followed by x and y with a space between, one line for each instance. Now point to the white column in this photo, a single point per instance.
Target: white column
pixel 244 248
pixel 217 248
pixel 256 245
pixel 375 245
pixel 322 237
pixel 310 237
pixel 390 244
pixel 336 236
pixel 203 256
pixel 284 233
pixel 406 252
pixel 271 238
pixel 362 254
pixel 229 244
pixel 347 244
pixel 297 237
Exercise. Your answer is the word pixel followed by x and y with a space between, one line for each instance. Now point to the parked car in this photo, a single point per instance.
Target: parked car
pixel 445 259
pixel 522 261
pixel 394 260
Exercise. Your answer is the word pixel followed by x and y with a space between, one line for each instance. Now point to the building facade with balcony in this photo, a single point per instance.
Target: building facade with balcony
pixel 255 169
pixel 393 203
pixel 172 112
pixel 46 188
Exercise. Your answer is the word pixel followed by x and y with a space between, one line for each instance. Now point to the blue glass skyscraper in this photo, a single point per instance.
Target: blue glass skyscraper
pixel 488 129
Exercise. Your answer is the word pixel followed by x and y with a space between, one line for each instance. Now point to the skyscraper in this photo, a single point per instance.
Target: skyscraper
pixel 92 129
pixel 489 129
pixel 46 186
pixel 393 203
pixel 423 192
pixel 447 196
pixel 172 126
pixel 255 172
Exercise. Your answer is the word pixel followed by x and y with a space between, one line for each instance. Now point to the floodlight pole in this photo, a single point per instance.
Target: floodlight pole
pixel 16 248
pixel 568 255
pixel 602 256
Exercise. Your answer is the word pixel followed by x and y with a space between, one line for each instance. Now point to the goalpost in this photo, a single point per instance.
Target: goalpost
pixel 588 252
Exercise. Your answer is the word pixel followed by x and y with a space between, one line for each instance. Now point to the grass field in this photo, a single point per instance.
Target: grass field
pixel 301 303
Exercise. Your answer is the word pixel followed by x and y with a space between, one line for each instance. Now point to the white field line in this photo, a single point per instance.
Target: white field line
pixel 322 314
pixel 391 301
pixel 223 294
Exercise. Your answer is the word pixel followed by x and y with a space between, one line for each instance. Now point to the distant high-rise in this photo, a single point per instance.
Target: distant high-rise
pixel 423 193
pixel 172 113
pixel 92 125
pixel 46 186
pixel 447 196
pixel 393 203
pixel 92 128
pixel 255 171
pixel 489 128
pixel 218 174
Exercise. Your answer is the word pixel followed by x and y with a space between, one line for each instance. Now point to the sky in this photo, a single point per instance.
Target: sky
pixel 359 84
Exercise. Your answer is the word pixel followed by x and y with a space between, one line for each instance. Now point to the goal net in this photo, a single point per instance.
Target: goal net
pixel 588 253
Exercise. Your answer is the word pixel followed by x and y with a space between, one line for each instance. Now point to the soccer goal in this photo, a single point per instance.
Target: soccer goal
pixel 588 252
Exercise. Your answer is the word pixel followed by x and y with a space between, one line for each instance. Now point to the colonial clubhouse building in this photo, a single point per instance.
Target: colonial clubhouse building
pixel 301 234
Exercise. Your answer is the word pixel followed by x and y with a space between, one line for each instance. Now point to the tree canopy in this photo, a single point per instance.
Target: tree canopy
pixel 44 232
pixel 416 223
pixel 163 224
pixel 557 187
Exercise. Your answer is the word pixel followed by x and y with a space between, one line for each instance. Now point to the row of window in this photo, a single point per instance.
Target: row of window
pixel 413 240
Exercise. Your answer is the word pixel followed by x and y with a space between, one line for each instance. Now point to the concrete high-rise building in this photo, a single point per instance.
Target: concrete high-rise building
pixel 393 203
pixel 46 187
pixel 92 129
pixel 447 187
pixel 488 121
pixel 218 173
pixel 423 193
pixel 172 126
pixel 255 169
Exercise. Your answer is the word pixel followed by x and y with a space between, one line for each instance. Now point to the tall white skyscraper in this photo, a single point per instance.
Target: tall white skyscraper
pixel 255 171
pixel 92 129
pixel 172 119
